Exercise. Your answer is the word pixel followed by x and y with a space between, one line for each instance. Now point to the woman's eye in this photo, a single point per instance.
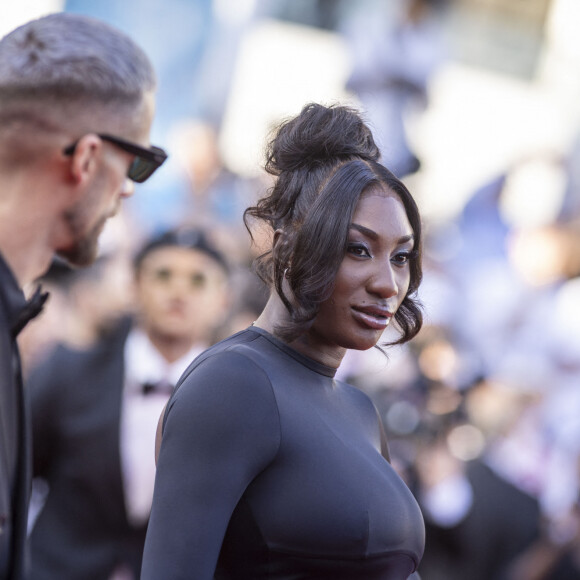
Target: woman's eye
pixel 402 258
pixel 358 250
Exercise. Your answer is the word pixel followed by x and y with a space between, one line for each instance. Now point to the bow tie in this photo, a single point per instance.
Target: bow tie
pixel 32 308
pixel 162 387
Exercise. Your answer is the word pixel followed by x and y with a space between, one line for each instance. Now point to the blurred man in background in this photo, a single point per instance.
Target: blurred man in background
pixel 95 412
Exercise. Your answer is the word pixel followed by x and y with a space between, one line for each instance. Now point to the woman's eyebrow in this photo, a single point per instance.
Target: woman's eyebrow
pixel 373 235
pixel 405 239
pixel 365 231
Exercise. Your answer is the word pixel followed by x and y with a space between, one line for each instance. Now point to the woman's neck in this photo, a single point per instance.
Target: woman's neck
pixel 276 314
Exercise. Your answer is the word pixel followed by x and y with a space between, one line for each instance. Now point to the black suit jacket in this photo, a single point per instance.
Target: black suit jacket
pixel 502 522
pixel 82 531
pixel 15 312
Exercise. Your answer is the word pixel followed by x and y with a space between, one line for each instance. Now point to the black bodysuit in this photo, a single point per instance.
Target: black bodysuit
pixel 270 468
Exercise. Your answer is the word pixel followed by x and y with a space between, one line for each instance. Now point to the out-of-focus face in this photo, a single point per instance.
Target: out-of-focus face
pixel 182 294
pixel 102 200
pixel 372 280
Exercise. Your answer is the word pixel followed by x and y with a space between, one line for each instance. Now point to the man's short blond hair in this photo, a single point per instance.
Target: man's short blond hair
pixel 69 72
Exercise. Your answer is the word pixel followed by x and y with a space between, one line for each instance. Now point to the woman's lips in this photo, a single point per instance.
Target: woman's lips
pixel 372 317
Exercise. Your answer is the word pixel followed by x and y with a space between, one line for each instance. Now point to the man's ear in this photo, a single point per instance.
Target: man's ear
pixel 85 159
pixel 135 285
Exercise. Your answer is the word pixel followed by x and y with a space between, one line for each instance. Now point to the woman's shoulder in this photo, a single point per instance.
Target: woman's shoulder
pixel 227 355
pixel 234 368
pixel 225 384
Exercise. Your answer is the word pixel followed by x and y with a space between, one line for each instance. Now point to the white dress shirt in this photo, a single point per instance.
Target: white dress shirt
pixel 139 417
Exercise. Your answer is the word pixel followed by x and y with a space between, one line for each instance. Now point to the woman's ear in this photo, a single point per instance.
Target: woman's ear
pixel 278 235
pixel 281 249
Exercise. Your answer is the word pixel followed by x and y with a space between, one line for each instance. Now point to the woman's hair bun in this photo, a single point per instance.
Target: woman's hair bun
pixel 320 135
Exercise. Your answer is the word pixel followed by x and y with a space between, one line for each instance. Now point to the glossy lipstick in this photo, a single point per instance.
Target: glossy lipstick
pixel 373 317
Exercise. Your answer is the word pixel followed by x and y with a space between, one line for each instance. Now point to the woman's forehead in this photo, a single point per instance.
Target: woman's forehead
pixel 383 214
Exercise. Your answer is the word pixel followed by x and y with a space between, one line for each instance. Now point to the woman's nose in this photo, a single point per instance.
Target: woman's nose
pixel 384 282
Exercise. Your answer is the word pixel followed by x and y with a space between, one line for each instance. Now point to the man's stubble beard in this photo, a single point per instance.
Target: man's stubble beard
pixel 84 249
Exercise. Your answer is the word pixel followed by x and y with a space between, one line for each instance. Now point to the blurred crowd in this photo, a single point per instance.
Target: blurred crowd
pixel 482 407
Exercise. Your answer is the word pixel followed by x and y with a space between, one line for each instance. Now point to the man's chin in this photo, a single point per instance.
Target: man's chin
pixel 81 254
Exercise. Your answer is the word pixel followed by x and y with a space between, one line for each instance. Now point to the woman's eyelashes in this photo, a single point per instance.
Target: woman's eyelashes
pixel 403 258
pixel 399 258
pixel 358 249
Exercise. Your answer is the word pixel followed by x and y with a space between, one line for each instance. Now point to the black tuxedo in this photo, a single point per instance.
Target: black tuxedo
pixel 502 522
pixel 82 531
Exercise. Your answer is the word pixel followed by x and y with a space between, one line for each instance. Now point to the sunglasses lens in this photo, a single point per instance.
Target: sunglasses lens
pixel 146 164
pixel 141 169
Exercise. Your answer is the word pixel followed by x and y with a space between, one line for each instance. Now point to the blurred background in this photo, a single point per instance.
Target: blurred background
pixel 476 106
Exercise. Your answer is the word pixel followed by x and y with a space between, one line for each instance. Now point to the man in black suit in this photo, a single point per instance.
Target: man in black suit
pixel 76 105
pixel 477 523
pixel 95 413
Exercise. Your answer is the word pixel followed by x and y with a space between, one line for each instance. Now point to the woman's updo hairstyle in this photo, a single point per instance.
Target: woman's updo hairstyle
pixel 323 160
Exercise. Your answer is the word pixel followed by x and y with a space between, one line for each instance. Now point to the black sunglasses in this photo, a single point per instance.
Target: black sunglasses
pixel 146 161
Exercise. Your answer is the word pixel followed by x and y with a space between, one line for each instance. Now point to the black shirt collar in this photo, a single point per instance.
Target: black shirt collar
pixel 19 311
